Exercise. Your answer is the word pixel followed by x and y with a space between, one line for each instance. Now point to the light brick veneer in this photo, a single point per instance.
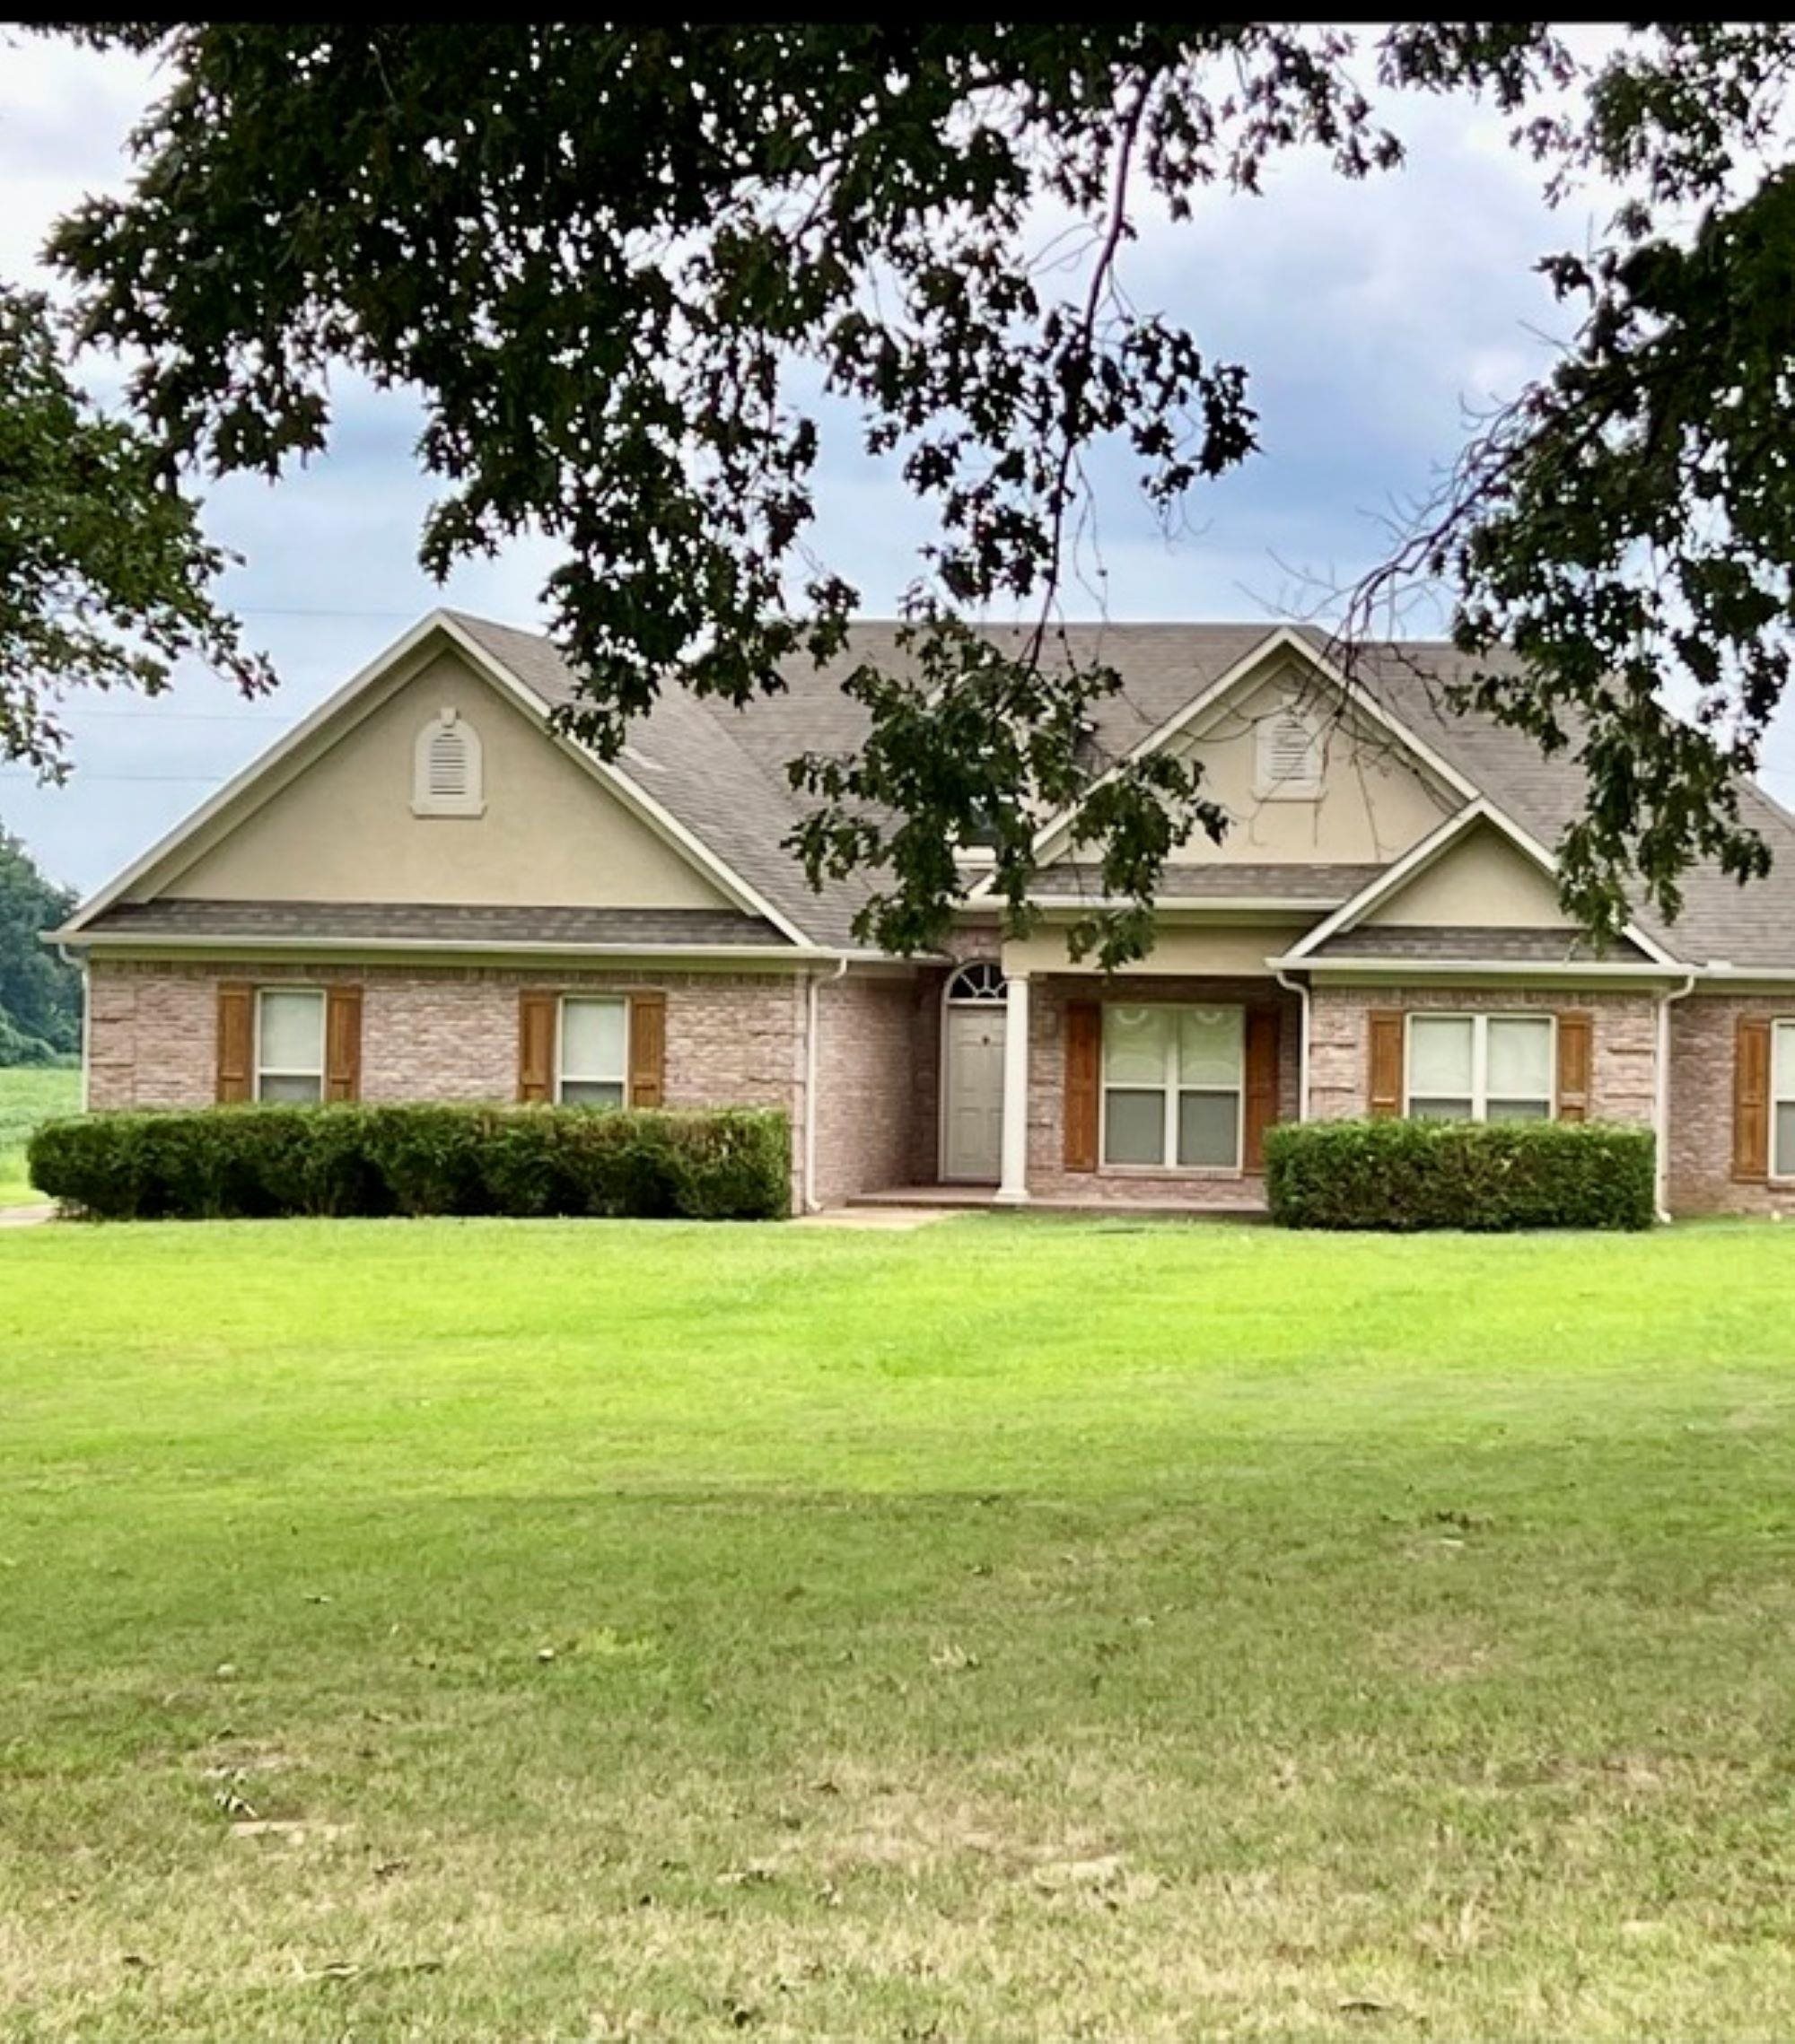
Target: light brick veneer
pixel 1702 1054
pixel 1048 1179
pixel 1625 1037
pixel 446 1032
pixel 866 1085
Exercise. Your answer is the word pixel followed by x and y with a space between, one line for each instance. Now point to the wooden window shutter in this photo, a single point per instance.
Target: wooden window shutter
pixel 536 1016
pixel 647 1050
pixel 1260 1104
pixel 342 1044
pixel 1576 1042
pixel 1083 1073
pixel 1386 1061
pixel 236 1042
pixel 1751 1098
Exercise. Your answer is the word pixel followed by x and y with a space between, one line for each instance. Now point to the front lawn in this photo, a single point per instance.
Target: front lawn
pixel 1015 1629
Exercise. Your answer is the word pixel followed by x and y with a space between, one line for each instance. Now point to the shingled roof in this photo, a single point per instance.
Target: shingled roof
pixel 720 771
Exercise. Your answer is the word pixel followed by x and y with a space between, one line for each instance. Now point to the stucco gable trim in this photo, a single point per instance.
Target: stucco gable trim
pixel 245 792
pixel 1419 858
pixel 1282 640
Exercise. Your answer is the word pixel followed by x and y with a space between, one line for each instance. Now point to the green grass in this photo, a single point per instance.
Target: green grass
pixel 1009 1630
pixel 29 1095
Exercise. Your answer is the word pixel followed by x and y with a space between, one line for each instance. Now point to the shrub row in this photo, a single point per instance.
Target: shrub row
pixel 1487 1176
pixel 253 1162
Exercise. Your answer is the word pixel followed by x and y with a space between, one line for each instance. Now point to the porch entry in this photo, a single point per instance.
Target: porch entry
pixel 972 1075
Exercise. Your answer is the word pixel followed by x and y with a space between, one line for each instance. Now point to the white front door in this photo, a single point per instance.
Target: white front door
pixel 972 1093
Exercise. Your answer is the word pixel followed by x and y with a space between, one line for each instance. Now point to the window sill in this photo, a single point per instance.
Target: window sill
pixel 1162 1172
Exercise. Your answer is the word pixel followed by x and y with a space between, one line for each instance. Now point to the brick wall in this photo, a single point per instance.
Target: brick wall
pixel 1048 1178
pixel 1624 1041
pixel 867 1100
pixel 447 1033
pixel 1701 1054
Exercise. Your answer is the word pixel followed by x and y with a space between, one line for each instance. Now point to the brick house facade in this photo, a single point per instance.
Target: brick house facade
pixel 1405 881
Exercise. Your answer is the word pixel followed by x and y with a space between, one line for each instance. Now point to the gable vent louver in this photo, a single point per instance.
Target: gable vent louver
pixel 1290 755
pixel 446 777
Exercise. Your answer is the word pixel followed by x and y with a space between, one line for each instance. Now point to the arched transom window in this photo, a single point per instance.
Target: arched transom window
pixel 979 984
pixel 446 774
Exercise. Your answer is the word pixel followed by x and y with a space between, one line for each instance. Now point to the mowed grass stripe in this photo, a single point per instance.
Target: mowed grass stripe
pixel 1015 1628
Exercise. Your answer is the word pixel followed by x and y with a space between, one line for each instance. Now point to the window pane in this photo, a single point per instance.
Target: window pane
pixel 292 1032
pixel 1783 1163
pixel 1439 1057
pixel 1134 1041
pixel 1209 1046
pixel 1438 1110
pixel 1134 1128
pixel 1209 1129
pixel 294 1091
pixel 591 1093
pixel 592 1039
pixel 1519 1111
pixel 1519 1052
pixel 1782 1068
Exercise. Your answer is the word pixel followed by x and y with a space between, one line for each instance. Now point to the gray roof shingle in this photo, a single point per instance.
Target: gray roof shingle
pixel 430 922
pixel 719 771
pixel 1374 942
pixel 1221 880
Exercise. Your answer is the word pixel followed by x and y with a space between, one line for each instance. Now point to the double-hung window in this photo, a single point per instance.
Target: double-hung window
pixel 1173 1084
pixel 1782 1101
pixel 1480 1068
pixel 290 1045
pixel 594 1052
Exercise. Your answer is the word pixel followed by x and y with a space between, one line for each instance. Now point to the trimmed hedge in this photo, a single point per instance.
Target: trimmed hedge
pixel 1488 1176
pixel 257 1162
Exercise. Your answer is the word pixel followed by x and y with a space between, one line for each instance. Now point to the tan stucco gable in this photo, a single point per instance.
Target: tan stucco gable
pixel 1483 880
pixel 340 826
pixel 1376 799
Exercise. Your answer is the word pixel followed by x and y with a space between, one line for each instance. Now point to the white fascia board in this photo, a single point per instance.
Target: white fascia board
pixel 1399 969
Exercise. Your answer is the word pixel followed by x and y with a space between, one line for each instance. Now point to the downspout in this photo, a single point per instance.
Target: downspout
pixel 1660 1105
pixel 812 1203
pixel 1300 989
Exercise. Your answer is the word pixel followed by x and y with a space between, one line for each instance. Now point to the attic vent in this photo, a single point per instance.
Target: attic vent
pixel 446 778
pixel 1290 757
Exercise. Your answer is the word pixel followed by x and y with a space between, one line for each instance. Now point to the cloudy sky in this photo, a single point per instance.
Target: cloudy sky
pixel 1371 316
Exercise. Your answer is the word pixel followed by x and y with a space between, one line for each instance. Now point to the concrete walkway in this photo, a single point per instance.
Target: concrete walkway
pixel 27 1217
pixel 892 1220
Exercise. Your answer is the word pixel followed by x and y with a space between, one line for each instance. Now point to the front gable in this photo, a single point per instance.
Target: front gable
pixel 1304 775
pixel 1482 880
pixel 1366 790
pixel 343 825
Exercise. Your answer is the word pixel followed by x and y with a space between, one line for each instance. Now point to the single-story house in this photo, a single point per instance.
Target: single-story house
pixel 424 891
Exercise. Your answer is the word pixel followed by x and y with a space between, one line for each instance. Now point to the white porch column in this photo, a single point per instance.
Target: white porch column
pixel 1013 1189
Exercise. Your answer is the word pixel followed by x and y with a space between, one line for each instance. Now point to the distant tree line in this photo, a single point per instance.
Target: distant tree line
pixel 40 992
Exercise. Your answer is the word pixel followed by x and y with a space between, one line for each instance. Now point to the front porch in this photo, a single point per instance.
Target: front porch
pixel 1063 1090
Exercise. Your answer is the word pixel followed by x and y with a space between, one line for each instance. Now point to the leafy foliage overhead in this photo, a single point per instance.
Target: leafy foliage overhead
pixel 105 578
pixel 624 267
